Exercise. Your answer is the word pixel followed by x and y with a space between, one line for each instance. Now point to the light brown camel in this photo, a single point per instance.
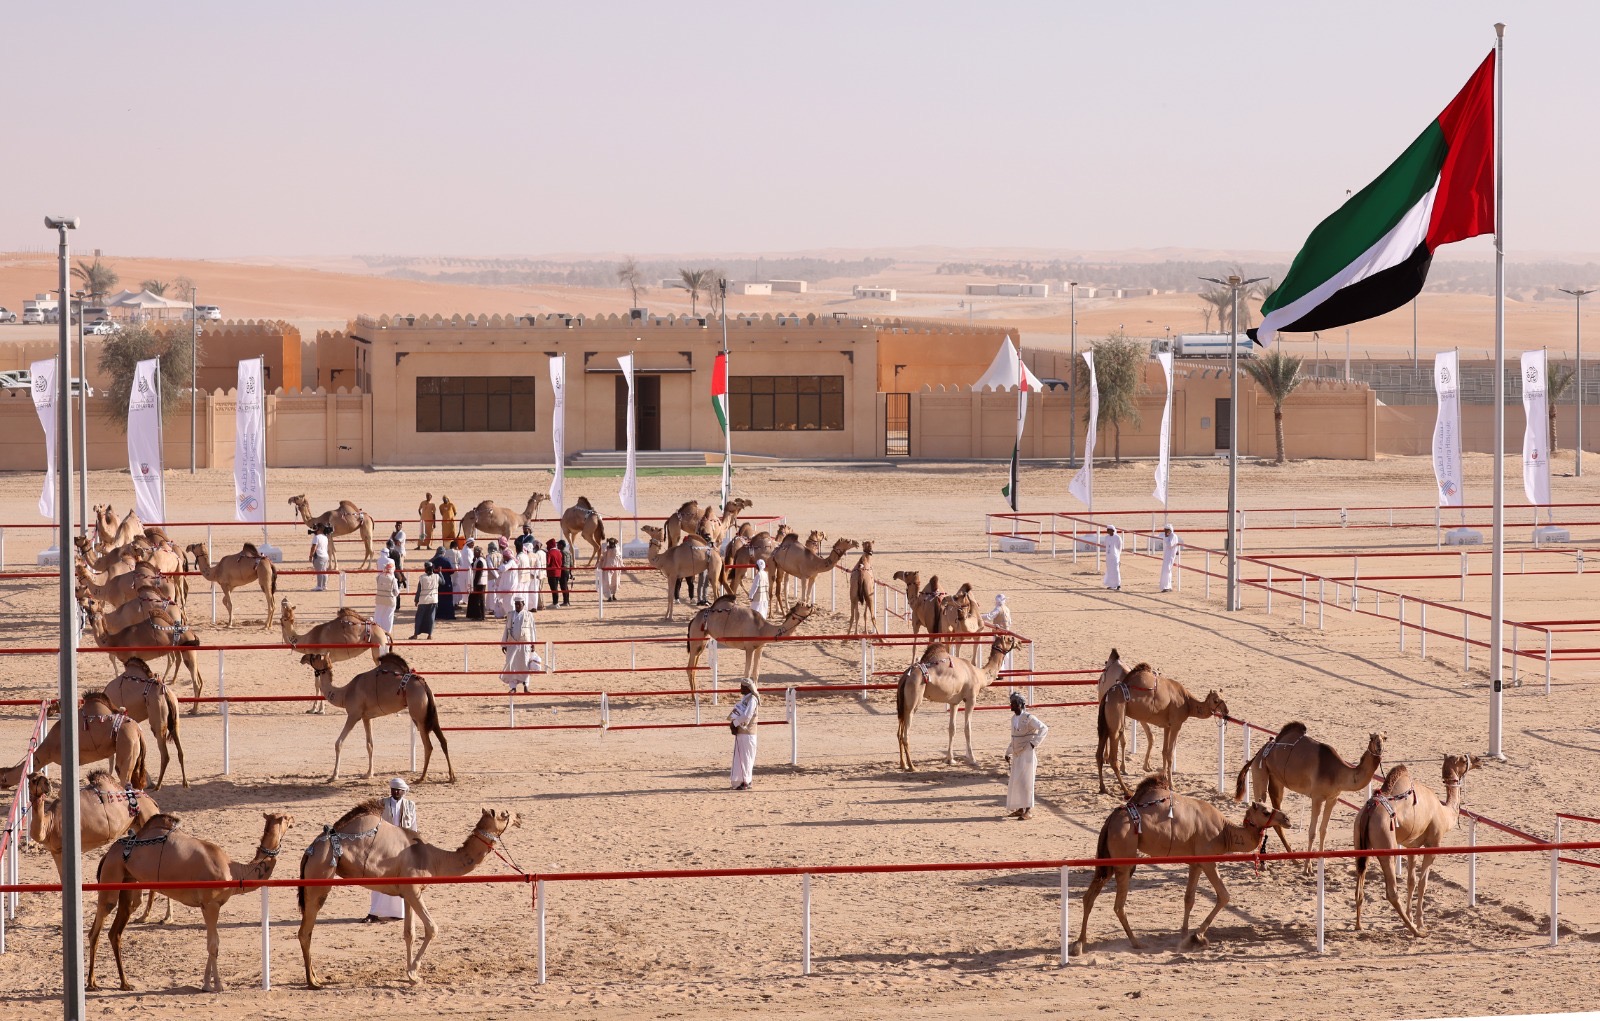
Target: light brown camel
pixel 940 677
pixel 863 593
pixel 742 556
pixel 159 629
pixel 362 845
pixel 1404 814
pixel 144 602
pixel 1158 821
pixel 236 570
pixel 777 582
pixel 739 627
pixel 386 689
pixel 688 560
pixel 715 526
pixel 103 733
pixel 683 521
pixel 1110 677
pixel 111 562
pixel 121 588
pixel 343 519
pixel 162 853
pixel 1293 761
pixel 491 519
pixel 112 533
pixel 347 628
pixel 582 519
pixel 1147 697
pixel 958 614
pixel 106 810
pixel 796 562
pixel 922 605
pixel 147 699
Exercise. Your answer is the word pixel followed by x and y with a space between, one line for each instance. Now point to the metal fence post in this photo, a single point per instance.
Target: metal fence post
pixel 1463 596
pixel 805 924
pixel 1472 863
pixel 605 712
pixel 1066 914
pixel 1555 887
pixel 1222 754
pixel 1422 631
pixel 1547 662
pixel 600 592
pixel 538 899
pixel 1400 615
pixel 1269 589
pixel 1321 903
pixel 792 710
pixel 864 679
pixel 222 699
pixel 341 588
pixel 1466 646
pixel 1208 574
pixel 988 536
pixel 1302 600
pixel 266 938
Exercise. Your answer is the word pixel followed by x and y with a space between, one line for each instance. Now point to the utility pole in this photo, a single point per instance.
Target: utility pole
pixel 83 423
pixel 1072 373
pixel 194 380
pixel 1578 293
pixel 1235 285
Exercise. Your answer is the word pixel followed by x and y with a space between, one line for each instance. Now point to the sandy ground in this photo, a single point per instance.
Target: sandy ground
pixel 954 945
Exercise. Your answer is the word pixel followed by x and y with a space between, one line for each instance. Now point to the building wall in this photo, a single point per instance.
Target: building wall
pixel 1408 429
pixel 222 345
pixel 935 356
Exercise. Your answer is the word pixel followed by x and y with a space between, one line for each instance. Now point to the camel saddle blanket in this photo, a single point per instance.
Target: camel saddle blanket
pixel 1387 802
pixel 1137 816
pixel 337 840
pixel 117 720
pixel 1127 690
pixel 148 682
pixel 130 795
pixel 129 842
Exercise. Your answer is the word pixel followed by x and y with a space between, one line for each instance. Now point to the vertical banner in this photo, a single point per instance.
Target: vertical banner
pixel 249 453
pixel 558 433
pixel 629 495
pixel 1163 465
pixel 1536 433
pixel 44 402
pixel 144 442
pixel 719 404
pixel 1009 490
pixel 1082 485
pixel 1447 430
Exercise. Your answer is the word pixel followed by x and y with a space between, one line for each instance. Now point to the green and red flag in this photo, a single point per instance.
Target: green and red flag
pixel 719 390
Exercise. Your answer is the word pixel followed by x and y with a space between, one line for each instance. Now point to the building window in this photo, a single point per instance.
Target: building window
pixel 786 403
pixel 475 404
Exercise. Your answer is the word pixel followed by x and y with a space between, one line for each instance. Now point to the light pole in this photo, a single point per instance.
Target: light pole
pixel 1413 338
pixel 1072 376
pixel 83 423
pixel 1579 293
pixel 194 381
pixel 1235 285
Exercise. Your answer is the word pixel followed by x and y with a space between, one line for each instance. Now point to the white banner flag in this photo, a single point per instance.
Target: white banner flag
pixel 1082 485
pixel 44 402
pixel 144 442
pixel 1447 430
pixel 630 478
pixel 1536 434
pixel 558 432
pixel 1163 465
pixel 249 453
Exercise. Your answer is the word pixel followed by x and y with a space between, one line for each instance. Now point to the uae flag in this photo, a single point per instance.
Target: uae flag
pixel 1009 490
pixel 1372 255
pixel 719 390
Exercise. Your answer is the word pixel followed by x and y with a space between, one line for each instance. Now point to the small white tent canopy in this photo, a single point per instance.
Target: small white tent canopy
pixel 1007 370
pixel 144 300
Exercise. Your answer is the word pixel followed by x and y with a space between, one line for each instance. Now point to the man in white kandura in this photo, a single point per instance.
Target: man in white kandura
pixel 401 811
pixel 999 618
pixel 521 659
pixel 386 595
pixel 533 573
pixel 1170 544
pixel 1113 545
pixel 319 559
pixel 611 573
pixel 742 722
pixel 758 588
pixel 1027 734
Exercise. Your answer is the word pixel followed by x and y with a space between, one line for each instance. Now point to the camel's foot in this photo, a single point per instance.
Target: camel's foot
pixel 194 710
pixel 414 978
pixel 312 983
pixel 1134 944
pixel 92 985
pixel 1076 949
pixel 1195 940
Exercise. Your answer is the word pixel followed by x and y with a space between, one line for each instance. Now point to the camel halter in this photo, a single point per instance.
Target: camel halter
pixel 337 840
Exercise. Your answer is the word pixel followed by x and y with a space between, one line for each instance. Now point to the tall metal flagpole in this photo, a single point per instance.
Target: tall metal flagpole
pixel 83 426
pixel 1498 542
pixel 194 382
pixel 1072 383
pixel 1578 293
pixel 727 414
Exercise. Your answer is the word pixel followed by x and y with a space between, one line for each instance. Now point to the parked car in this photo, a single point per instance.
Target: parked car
pixel 7 316
pixel 102 328
pixel 33 316
pixel 208 312
pixel 16 379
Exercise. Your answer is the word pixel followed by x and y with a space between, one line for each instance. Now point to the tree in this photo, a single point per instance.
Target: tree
pixel 1278 376
pixel 628 274
pixel 1119 372
pixel 97 278
pixel 121 353
pixel 715 294
pixel 184 287
pixel 156 287
pixel 695 280
pixel 1560 381
pixel 1219 302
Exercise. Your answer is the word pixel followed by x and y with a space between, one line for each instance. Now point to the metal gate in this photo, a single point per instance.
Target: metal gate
pixel 897 425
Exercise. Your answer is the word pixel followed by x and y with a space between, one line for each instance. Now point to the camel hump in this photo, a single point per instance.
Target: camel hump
pixel 96 698
pixel 348 505
pixel 394 660
pixel 689 506
pixel 584 504
pixel 250 548
pixel 723 603
pixel 1149 785
pixel 372 806
pixel 965 588
pixel 1142 668
pixel 934 651
pixel 1397 782
pixel 1292 731
pixel 932 586
pixel 104 778
pixel 162 820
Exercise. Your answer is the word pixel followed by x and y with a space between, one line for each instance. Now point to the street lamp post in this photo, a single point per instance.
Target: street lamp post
pixel 83 422
pixel 1579 293
pixel 1072 376
pixel 194 382
pixel 1235 285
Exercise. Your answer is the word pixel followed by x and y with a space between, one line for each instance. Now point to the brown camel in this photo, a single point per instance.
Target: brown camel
pixel 236 570
pixel 1404 814
pixel 348 628
pixel 118 589
pixel 428 515
pixel 343 519
pixel 863 593
pixel 777 581
pixel 103 733
pixel 161 853
pixel 684 521
pixel 106 810
pixel 582 519
pixel 794 561
pixel 386 689
pixel 145 602
pixel 922 604
pixel 491 519
pixel 1147 697
pixel 112 533
pixel 739 627
pixel 940 677
pixel 1293 761
pixel 147 699
pixel 742 556
pixel 687 560
pixel 111 562
pixel 1159 821
pixel 1110 677
pixel 692 519
pixel 958 614
pixel 362 845
pixel 159 629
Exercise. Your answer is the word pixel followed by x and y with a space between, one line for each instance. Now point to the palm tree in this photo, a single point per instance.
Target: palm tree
pixel 1278 375
pixel 628 275
pixel 695 280
pixel 156 287
pixel 97 278
pixel 1220 301
pixel 1560 381
pixel 1119 369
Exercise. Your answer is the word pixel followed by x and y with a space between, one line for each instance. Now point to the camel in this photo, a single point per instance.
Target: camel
pixel 145 602
pixel 794 561
pixel 583 519
pixel 388 688
pixel 922 605
pixel 687 560
pixel 103 733
pixel 1296 762
pixel 237 570
pixel 1410 816
pixel 778 581
pixel 146 699
pixel 106 810
pixel 491 519
pixel 1110 677
pixel 742 556
pixel 1159 821
pixel 739 627
pixel 348 628
pixel 111 562
pixel 161 853
pixel 863 593
pixel 362 845
pixel 692 519
pixel 940 677
pixel 112 533
pixel 158 629
pixel 958 614
pixel 1147 697
pixel 122 588
pixel 343 519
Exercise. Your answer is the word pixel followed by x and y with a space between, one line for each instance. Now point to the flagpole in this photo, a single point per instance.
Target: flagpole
pixel 1498 546
pixel 161 445
pixel 1459 440
pixel 727 414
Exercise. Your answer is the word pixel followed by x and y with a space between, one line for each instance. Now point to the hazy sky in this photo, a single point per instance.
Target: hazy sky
pixel 223 128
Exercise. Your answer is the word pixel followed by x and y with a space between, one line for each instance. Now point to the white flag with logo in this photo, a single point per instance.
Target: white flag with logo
pixel 144 442
pixel 1082 485
pixel 44 402
pixel 1536 434
pixel 1163 465
pixel 1447 430
pixel 249 454
pixel 558 432
pixel 630 478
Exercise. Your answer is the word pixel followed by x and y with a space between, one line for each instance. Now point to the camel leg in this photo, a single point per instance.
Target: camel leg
pixel 1124 880
pixel 338 745
pixel 1212 874
pixel 212 981
pixel 1422 892
pixel 950 745
pixel 414 904
pixel 752 663
pixel 103 905
pixel 967 721
pixel 1188 898
pixel 1095 886
pixel 194 678
pixel 1149 745
pixel 125 902
pixel 1169 752
pixel 1119 743
pixel 1275 792
pixel 227 602
pixel 314 898
pixel 366 725
pixel 696 647
pixel 1392 894
pixel 910 698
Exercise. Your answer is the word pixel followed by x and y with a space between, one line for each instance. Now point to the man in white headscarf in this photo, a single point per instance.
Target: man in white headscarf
pixel 385 596
pixel 742 722
pixel 999 617
pixel 401 811
pixel 518 636
pixel 1170 543
pixel 1027 734
pixel 758 588
pixel 611 570
pixel 1113 545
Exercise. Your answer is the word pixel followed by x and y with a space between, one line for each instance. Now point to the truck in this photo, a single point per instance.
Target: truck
pixel 1202 345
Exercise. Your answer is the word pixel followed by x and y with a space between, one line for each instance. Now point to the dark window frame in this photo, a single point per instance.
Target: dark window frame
pixel 476 404
pixel 786 403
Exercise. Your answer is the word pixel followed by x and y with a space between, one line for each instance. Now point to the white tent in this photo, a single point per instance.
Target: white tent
pixel 144 300
pixel 1007 370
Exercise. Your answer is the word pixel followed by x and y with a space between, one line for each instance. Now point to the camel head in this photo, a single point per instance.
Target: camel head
pixel 1375 745
pixel 913 579
pixel 657 537
pixel 533 504
pixel 38 788
pixel 1456 766
pixel 277 824
pixel 1213 706
pixel 1003 644
pixel 799 612
pixel 1261 818
pixel 496 820
pixel 196 551
pixel 299 503
pixel 317 662
pixel 843 546
pixel 866 548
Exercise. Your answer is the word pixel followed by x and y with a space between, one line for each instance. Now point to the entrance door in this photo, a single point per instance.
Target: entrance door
pixel 647 413
pixel 1224 423
pixel 897 425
